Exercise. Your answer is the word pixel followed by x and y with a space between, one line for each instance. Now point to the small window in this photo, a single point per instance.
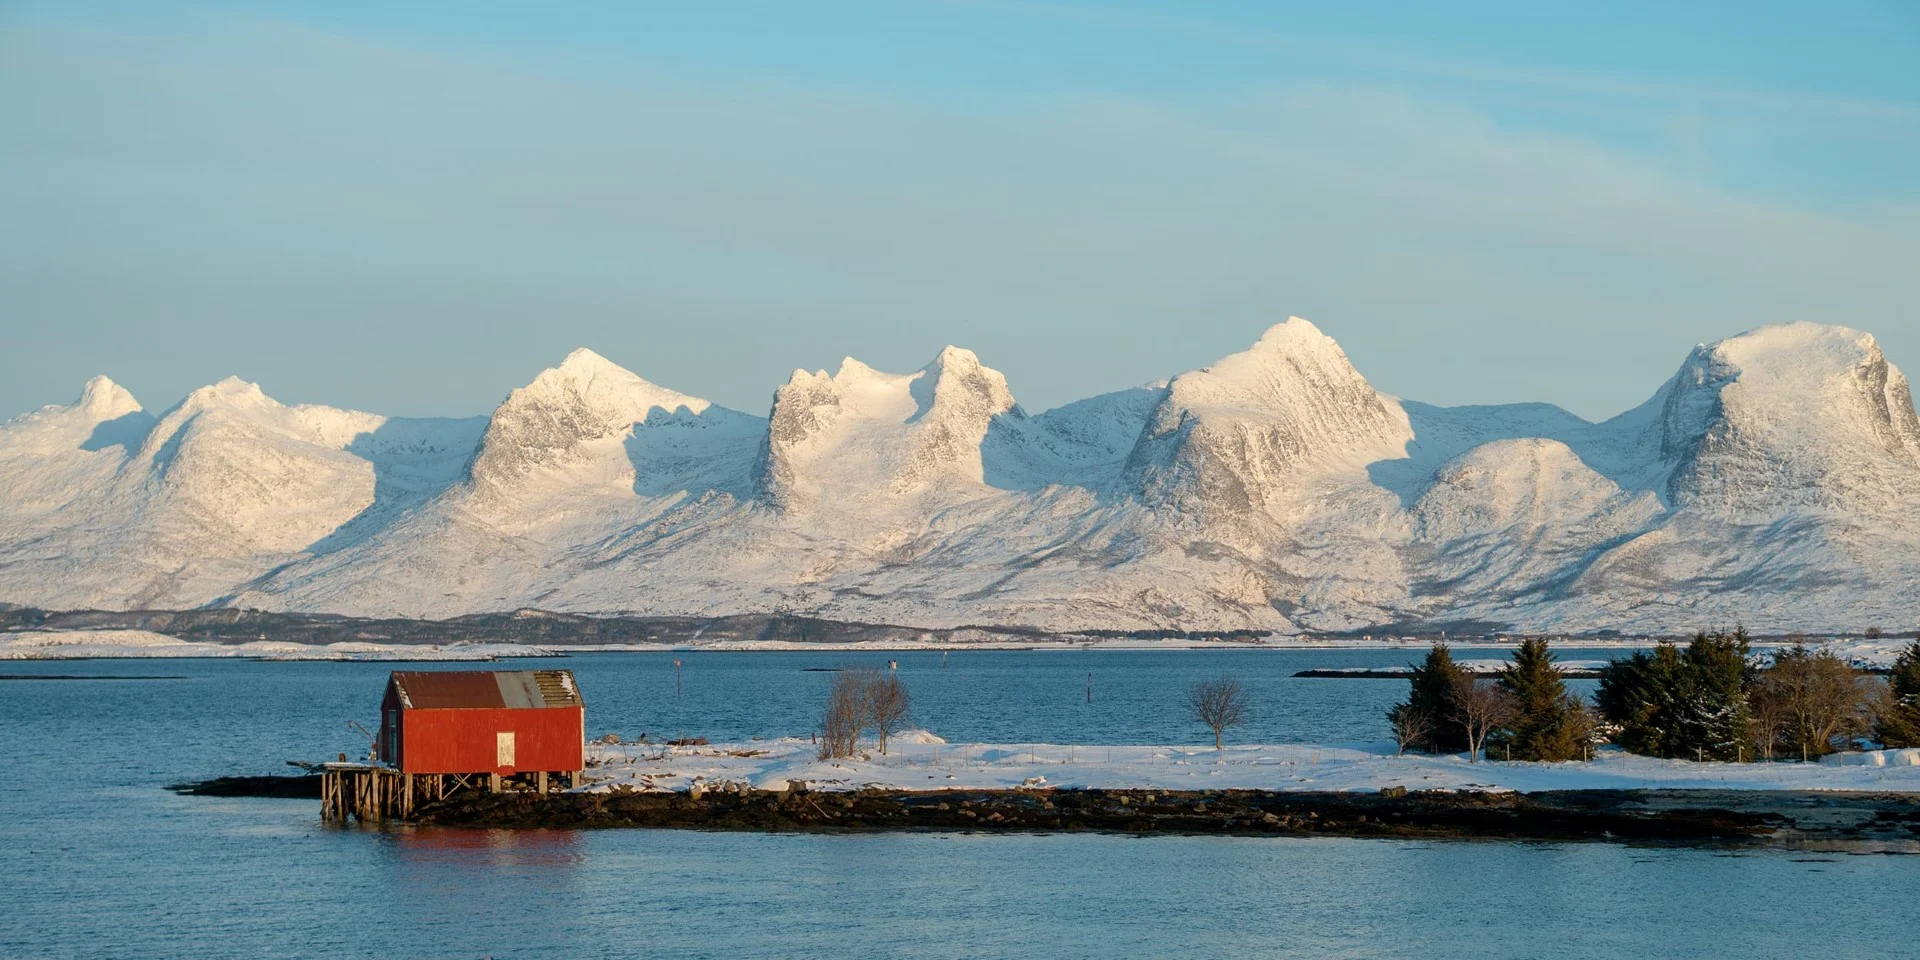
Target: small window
pixel 503 749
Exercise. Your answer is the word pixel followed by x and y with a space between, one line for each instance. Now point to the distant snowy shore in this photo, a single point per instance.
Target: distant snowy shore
pixel 143 644
pixel 917 760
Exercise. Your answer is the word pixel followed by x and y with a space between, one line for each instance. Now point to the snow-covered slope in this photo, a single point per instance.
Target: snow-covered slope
pixel 1775 480
pixel 860 435
pixel 1251 431
pixel 590 427
pixel 124 510
pixel 1790 417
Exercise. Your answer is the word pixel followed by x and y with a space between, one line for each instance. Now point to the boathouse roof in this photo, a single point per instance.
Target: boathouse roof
pixel 485 689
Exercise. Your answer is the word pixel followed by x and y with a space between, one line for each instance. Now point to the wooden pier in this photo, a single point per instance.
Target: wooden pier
pixel 368 793
pixel 372 793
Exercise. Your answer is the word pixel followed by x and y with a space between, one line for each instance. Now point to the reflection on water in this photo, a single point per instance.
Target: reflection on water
pixel 99 861
pixel 556 849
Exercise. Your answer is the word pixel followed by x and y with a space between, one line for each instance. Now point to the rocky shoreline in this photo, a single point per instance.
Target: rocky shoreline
pixel 1889 821
pixel 1882 822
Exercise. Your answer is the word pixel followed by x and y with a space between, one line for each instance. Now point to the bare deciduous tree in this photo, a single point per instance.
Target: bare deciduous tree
pixel 1412 726
pixel 1768 708
pixel 1584 724
pixel 1478 707
pixel 1816 699
pixel 845 715
pixel 1219 703
pixel 887 705
pixel 861 698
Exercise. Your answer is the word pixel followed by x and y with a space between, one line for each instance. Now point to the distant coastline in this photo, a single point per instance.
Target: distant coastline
pixel 28 633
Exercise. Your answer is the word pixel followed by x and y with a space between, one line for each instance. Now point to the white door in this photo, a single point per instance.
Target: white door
pixel 503 749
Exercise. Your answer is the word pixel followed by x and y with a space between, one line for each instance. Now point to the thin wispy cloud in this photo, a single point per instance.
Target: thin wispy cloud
pixel 423 229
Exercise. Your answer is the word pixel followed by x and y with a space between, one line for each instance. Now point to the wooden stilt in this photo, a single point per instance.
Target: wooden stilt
pixel 542 780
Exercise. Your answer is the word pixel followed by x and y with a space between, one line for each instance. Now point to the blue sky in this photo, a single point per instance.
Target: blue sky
pixel 413 210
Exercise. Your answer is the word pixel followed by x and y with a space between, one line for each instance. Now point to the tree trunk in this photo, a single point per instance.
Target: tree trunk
pixel 1216 739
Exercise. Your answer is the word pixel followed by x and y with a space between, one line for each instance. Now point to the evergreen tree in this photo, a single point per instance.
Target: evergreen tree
pixel 1898 724
pixel 1430 695
pixel 1714 722
pixel 1689 705
pixel 1638 695
pixel 1550 724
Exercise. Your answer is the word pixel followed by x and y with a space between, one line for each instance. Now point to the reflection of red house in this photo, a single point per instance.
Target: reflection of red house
pixel 499 722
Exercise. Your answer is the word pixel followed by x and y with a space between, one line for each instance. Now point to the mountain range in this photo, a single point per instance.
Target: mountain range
pixel 1773 481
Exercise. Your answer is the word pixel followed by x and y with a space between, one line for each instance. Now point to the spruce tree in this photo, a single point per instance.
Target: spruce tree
pixel 1899 724
pixel 1430 694
pixel 1549 725
pixel 1715 723
pixel 1687 705
pixel 1638 694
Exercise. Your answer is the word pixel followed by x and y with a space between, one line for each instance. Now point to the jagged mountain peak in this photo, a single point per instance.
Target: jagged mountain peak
pixel 103 399
pixel 104 415
pixel 887 433
pixel 1288 363
pixel 584 358
pixel 1242 432
pixel 852 370
pixel 605 386
pixel 957 384
pixel 1800 342
pixel 576 425
pixel 1295 333
pixel 954 379
pixel 1793 414
pixel 228 392
pixel 954 358
pixel 583 365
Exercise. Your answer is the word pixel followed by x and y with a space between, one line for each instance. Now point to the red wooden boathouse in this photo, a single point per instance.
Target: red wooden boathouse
pixel 502 723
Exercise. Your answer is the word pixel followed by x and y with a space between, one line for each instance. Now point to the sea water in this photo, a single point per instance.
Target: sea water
pixel 97 859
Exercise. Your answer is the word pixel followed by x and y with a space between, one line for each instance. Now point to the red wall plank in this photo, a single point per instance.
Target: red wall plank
pixel 463 740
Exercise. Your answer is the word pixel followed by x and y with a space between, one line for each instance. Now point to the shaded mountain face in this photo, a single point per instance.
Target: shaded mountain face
pixel 1774 480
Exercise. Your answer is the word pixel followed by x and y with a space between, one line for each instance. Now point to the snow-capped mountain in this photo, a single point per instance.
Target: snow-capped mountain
pixel 1775 480
pixel 859 434
pixel 179 510
pixel 1257 429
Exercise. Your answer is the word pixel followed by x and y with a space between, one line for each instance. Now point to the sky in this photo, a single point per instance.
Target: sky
pixel 412 209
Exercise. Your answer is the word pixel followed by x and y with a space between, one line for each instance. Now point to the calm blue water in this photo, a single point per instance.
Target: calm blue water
pixel 96 860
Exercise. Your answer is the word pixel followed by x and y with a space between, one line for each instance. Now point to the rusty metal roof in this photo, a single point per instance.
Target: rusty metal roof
pixel 483 689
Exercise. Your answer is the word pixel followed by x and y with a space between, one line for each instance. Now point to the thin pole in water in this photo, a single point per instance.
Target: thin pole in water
pixel 676 679
pixel 1089 688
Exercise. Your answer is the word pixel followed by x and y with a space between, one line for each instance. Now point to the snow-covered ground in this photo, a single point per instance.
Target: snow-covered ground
pixel 920 761
pixel 136 644
pixel 1878 653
